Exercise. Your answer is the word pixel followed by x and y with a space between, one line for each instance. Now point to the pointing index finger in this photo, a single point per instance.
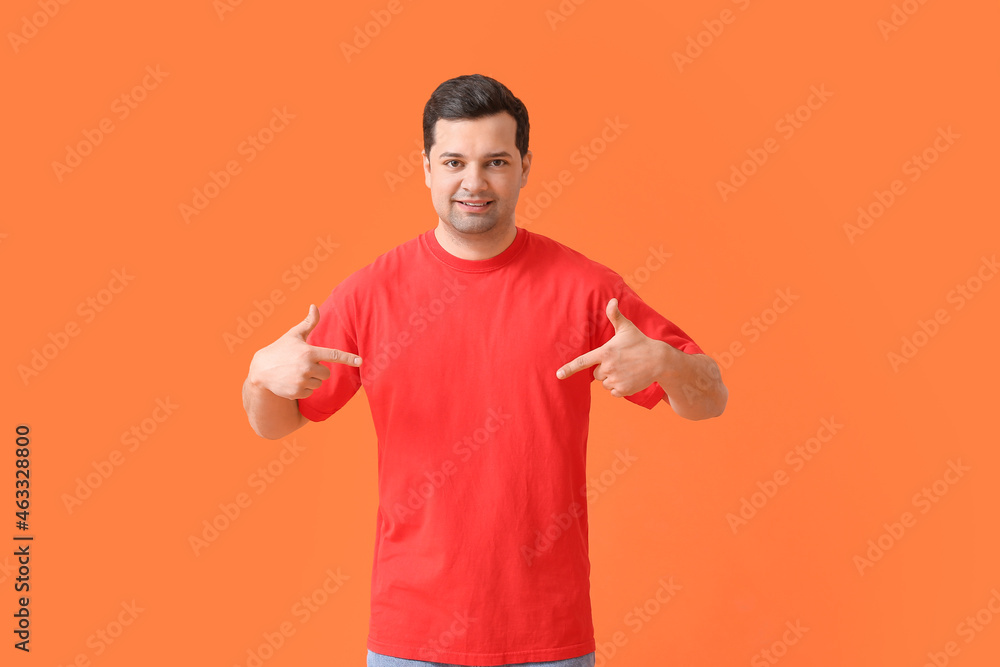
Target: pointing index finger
pixel 335 356
pixel 585 360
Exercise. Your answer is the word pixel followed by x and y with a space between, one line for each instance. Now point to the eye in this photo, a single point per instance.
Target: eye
pixel 446 163
pixel 502 162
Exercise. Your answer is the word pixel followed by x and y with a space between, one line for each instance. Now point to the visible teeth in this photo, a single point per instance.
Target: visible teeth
pixel 469 204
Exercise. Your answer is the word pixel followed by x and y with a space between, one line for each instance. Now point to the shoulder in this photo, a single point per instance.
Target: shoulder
pixel 572 261
pixel 385 267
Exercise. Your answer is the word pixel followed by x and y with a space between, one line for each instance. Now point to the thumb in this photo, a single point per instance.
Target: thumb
pixel 615 315
pixel 303 328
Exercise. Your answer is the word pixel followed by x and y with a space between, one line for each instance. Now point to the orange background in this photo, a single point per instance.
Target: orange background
pixel 656 185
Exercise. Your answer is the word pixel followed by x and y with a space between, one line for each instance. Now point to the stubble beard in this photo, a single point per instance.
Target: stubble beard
pixel 467 223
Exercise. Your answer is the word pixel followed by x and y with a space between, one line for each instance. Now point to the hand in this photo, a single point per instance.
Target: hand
pixel 625 363
pixel 289 367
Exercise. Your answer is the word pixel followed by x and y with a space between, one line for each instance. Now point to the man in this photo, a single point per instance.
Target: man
pixel 471 340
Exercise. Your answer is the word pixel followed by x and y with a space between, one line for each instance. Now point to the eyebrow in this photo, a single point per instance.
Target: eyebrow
pixel 488 155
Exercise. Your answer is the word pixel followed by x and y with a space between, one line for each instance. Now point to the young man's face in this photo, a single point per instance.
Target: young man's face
pixel 475 161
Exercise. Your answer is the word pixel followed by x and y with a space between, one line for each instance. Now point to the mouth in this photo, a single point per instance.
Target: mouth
pixel 475 205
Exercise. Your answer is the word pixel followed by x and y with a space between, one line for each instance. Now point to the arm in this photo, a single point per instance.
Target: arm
pixel 692 382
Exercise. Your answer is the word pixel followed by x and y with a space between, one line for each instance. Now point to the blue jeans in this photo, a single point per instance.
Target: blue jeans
pixel 379 660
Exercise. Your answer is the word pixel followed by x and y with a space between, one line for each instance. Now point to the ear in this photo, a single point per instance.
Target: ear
pixel 427 168
pixel 525 168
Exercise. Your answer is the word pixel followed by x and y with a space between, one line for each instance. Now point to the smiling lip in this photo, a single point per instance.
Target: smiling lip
pixel 463 204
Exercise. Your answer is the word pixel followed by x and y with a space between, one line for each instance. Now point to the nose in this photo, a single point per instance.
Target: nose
pixel 474 179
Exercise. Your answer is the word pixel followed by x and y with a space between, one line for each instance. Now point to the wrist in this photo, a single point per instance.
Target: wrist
pixel 253 380
pixel 665 356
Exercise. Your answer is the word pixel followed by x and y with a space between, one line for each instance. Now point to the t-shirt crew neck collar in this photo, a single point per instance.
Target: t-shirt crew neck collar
pixel 477 265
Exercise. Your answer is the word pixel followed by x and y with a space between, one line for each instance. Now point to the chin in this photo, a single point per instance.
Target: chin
pixel 471 225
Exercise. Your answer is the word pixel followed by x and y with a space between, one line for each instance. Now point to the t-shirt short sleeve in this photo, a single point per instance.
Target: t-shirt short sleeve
pixel 653 325
pixel 336 329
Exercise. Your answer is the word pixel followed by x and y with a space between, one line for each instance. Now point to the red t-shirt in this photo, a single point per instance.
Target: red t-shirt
pixel 481 551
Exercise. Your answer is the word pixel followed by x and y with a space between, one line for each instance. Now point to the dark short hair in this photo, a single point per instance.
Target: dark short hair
pixel 474 96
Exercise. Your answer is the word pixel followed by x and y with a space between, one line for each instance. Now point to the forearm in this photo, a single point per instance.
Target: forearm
pixel 692 382
pixel 270 416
